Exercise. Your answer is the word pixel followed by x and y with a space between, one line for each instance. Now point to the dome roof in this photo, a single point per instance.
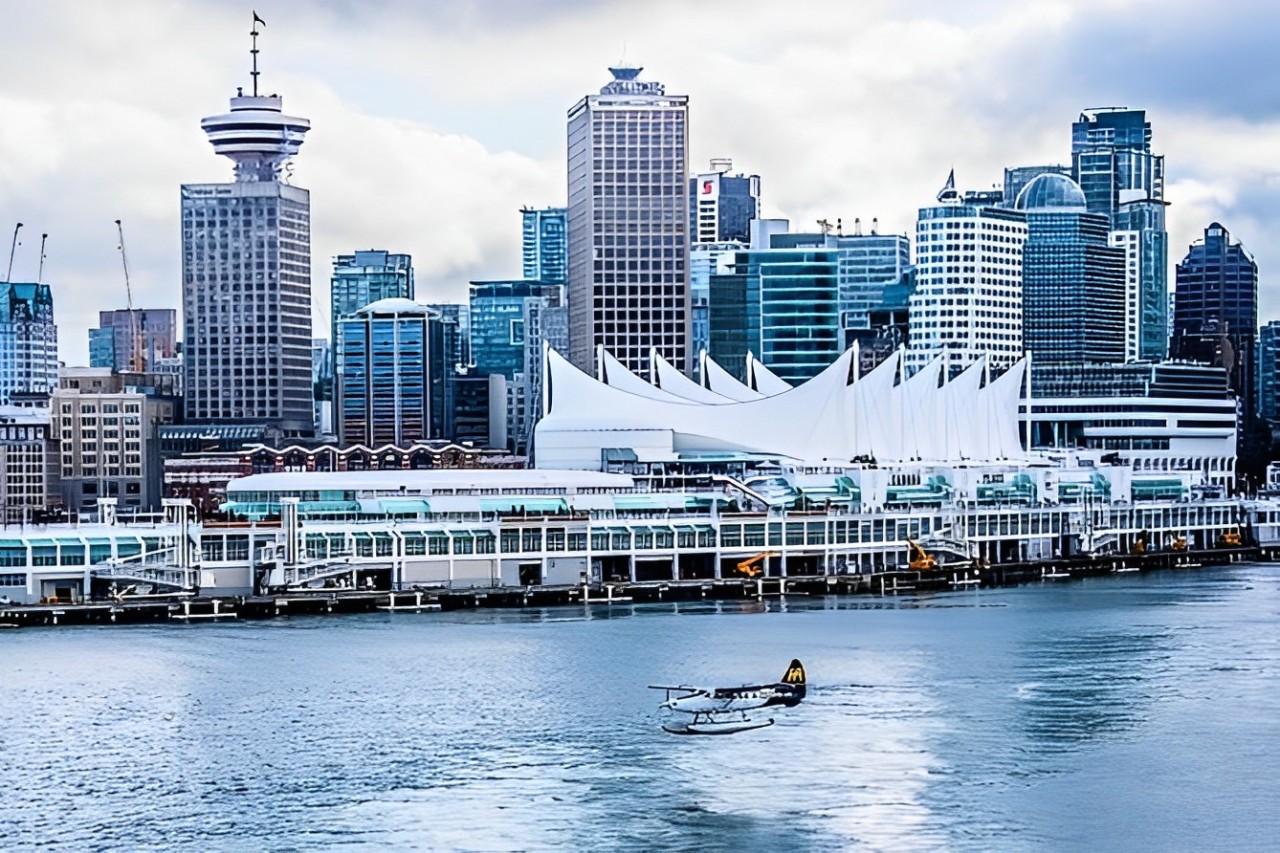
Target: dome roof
pixel 395 305
pixel 1051 191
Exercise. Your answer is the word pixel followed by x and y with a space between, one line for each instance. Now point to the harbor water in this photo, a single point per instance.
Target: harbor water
pixel 1131 712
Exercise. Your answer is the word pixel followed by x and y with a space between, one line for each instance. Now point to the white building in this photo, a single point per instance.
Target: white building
pixel 968 296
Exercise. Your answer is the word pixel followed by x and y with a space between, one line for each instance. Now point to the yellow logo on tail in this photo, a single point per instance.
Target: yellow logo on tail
pixel 795 673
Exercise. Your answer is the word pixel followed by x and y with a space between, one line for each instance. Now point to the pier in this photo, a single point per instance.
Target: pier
pixel 329 602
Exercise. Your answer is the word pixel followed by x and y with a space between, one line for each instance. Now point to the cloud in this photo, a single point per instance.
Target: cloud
pixel 433 124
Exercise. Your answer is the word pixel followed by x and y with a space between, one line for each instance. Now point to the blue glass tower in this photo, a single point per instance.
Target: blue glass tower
pixel 1073 299
pixel 721 205
pixel 364 277
pixel 545 246
pixel 391 380
pixel 1269 372
pixel 28 340
pixel 497 323
pixel 782 305
pixel 1112 162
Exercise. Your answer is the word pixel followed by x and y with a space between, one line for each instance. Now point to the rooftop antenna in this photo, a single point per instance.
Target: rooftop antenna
pixel 8 276
pixel 254 51
pixel 824 226
pixel 40 274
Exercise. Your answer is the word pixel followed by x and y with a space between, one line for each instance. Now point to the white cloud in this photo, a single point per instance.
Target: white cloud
pixel 432 125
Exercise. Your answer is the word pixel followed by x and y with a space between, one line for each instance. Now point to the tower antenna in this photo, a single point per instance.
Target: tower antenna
pixel 253 51
pixel 8 276
pixel 40 274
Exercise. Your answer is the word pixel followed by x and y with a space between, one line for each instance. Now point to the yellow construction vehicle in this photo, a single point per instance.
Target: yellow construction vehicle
pixel 1230 539
pixel 749 566
pixel 921 560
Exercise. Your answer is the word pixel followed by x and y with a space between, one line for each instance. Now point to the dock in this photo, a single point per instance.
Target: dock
pixel 893 582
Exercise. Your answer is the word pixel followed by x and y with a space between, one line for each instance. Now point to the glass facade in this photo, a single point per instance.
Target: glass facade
pixel 28 340
pixel 497 323
pixel 1269 373
pixel 1215 312
pixel 1112 162
pixel 391 384
pixel 544 245
pixel 1070 271
pixel 783 306
pixel 362 278
pixel 628 224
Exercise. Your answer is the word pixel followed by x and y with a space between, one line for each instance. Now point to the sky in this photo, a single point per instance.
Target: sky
pixel 433 123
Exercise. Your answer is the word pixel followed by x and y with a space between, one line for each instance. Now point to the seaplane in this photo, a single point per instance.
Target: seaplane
pixel 723 710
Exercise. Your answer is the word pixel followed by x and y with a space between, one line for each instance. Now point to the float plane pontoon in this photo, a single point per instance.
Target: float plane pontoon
pixel 723 710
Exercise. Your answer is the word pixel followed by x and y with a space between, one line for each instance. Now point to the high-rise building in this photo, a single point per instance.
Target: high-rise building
pixel 1112 162
pixel 706 260
pixel 1215 313
pixel 968 295
pixel 496 310
pixel 1073 297
pixel 780 304
pixel 28 340
pixel 246 273
pixel 544 244
pixel 1269 373
pixel 392 384
pixel 721 205
pixel 628 223
pixel 362 278
pixel 25 457
pixel 1017 177
pixel 868 265
pixel 138 339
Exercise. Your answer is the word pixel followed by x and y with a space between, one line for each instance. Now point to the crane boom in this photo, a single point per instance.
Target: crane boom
pixel 135 340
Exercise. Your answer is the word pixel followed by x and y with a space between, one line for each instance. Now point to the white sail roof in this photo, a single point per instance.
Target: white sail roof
pixel 765 380
pixel 725 383
pixel 671 380
pixel 831 420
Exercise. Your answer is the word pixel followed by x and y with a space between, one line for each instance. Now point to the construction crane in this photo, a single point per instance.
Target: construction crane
pixel 135 340
pixel 749 566
pixel 921 560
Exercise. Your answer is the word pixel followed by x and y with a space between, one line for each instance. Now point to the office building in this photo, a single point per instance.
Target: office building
pixel 1112 162
pixel 392 382
pixel 1268 373
pixel 628 223
pixel 1215 313
pixel 706 260
pixel 722 206
pixel 135 340
pixel 105 432
pixel 968 296
pixel 781 305
pixel 544 244
pixel 362 278
pixel 1017 177
pixel 24 462
pixel 28 341
pixel 1073 296
pixel 496 311
pixel 246 274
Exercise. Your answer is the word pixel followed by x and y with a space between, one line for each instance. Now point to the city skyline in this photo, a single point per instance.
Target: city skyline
pixel 432 143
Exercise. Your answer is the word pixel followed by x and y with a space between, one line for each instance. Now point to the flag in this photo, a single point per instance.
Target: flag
pixel 258 20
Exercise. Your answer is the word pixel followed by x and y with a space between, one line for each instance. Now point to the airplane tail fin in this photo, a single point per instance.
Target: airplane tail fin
pixel 794 678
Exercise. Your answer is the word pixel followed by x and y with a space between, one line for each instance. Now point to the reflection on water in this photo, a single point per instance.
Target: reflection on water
pixel 971 721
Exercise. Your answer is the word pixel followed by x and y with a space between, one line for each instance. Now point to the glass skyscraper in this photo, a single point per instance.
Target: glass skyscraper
pixel 498 318
pixel 783 306
pixel 1112 162
pixel 364 277
pixel 629 223
pixel 246 276
pixel 1073 299
pixel 1268 373
pixel 141 338
pixel 393 379
pixel 544 245
pixel 28 340
pixel 1215 311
